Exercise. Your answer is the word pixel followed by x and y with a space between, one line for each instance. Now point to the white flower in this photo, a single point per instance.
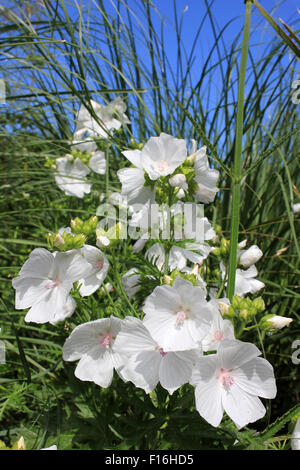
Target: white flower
pixel 99 267
pixel 110 117
pixel 87 145
pixel 63 230
pixel 133 181
pixel 250 256
pixel 244 281
pixel 178 256
pixel 220 329
pixel 205 177
pixel 70 176
pixel 130 282
pixel 231 381
pixel 159 157
pixel 178 316
pixel 44 283
pixel 140 244
pixel 54 447
pixel 295 440
pixel 97 162
pixel 147 362
pixel 162 155
pixel 92 343
pixel 296 208
pixel 279 322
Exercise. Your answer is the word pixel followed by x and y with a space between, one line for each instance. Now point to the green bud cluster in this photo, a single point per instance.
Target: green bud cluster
pixel 83 156
pixel 188 277
pixel 50 162
pixel 66 241
pixel 86 227
pixel 223 249
pixel 135 146
pixel 245 308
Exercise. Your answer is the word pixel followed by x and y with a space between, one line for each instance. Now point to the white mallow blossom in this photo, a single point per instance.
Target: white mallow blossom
pixel 44 284
pixel 245 281
pixel 178 256
pixel 178 316
pixel 249 257
pixel 231 381
pixel 97 162
pixel 220 329
pixel 99 267
pixel 160 156
pixel 130 282
pixel 109 117
pixel 205 177
pixel 91 343
pixel 133 185
pixel 147 363
pixel 71 176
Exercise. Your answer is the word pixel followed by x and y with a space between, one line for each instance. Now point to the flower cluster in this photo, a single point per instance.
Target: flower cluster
pixel 186 333
pixel 92 130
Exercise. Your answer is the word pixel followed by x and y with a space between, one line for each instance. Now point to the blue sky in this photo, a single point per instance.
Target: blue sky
pixel 192 12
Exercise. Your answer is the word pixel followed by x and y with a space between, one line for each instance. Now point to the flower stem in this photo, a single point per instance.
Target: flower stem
pixel 237 165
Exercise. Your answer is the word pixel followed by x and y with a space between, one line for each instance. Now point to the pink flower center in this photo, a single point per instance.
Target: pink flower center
pixel 225 377
pixel 98 265
pixel 162 352
pixel 218 336
pixel 162 165
pixel 180 317
pixel 52 284
pixel 106 340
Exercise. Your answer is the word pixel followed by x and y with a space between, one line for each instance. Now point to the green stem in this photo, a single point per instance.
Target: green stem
pixel 107 171
pixel 237 169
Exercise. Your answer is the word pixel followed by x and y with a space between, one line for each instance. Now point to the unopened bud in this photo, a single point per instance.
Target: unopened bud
pixel 279 322
pixel 259 304
pixel 244 314
pixel 58 241
pixel 168 279
pixel 223 308
pixel 178 181
pixel 250 256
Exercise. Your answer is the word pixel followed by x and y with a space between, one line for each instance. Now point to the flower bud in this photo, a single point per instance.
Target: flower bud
pixel 58 241
pixel 178 181
pixel 259 304
pixel 216 251
pixel 250 256
pixel 236 300
pixel 244 314
pixel 76 224
pixel 168 279
pixel 279 322
pixel 223 308
pixel 274 322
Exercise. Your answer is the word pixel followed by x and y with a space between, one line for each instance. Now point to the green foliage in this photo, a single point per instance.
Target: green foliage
pixel 53 62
